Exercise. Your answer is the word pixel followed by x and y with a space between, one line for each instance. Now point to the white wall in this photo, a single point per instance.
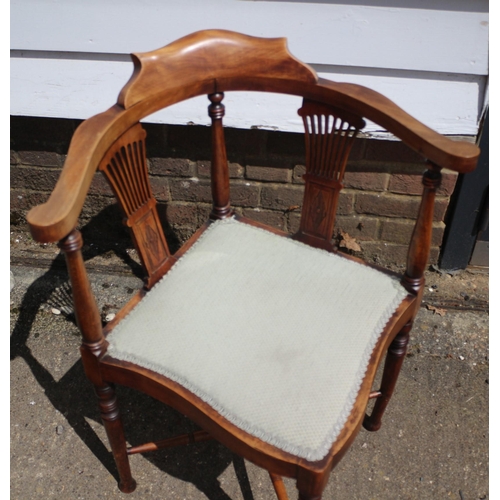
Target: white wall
pixel 69 57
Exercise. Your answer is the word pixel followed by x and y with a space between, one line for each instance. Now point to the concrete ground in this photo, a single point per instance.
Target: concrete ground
pixel 433 443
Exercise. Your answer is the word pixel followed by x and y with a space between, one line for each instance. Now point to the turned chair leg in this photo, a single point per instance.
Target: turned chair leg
pixel 393 362
pixel 111 418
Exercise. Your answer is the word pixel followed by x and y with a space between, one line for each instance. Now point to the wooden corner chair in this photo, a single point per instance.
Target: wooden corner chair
pixel 276 353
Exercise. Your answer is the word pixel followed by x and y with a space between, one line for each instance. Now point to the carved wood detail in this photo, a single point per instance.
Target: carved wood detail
pixel 205 56
pixel 125 168
pixel 329 136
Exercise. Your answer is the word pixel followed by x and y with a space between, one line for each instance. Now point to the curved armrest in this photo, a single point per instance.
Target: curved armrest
pixel 56 218
pixel 459 156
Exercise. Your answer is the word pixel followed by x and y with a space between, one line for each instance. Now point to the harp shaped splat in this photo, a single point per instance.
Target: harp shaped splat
pixel 329 136
pixel 125 168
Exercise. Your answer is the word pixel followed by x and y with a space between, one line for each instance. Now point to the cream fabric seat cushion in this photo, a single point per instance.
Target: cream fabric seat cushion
pixel 274 334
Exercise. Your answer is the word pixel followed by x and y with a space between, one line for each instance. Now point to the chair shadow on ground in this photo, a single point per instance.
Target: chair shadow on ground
pixel 145 419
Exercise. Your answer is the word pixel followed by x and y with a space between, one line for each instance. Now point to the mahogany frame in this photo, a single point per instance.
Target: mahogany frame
pixel 213 62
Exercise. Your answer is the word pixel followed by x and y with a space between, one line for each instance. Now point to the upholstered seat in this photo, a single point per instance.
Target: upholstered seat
pixel 247 355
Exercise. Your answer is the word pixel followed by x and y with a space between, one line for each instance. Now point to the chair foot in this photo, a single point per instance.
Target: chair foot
pixel 111 418
pixel 127 487
pixel 393 363
pixel 304 496
pixel 370 425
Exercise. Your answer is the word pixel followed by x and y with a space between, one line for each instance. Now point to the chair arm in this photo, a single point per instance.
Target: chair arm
pixel 459 156
pixel 55 219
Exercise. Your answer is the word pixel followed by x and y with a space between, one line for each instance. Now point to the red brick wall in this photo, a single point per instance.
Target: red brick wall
pixel 377 206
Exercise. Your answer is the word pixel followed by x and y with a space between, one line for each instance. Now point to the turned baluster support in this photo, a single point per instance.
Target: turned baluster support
pixel 93 347
pixel 420 244
pixel 86 310
pixel 219 169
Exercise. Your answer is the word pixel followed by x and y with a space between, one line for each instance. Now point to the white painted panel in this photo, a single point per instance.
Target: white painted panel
pixel 65 88
pixel 440 35
pixel 81 88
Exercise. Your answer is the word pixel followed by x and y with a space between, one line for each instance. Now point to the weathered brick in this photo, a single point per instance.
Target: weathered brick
pixel 22 200
pixel 393 205
pixel 298 172
pixel 160 187
pixel 346 203
pixel 448 183
pixel 199 190
pixel 269 174
pixel 391 255
pixel 194 189
pixel 100 186
pixel 36 179
pixel 204 210
pixel 244 194
pixel 370 181
pixel 390 151
pixel 94 205
pixel 182 214
pixel 400 231
pixel 40 158
pixel 274 219
pixel 181 234
pixel 359 227
pixel 203 168
pixel 293 223
pixel 281 197
pixel 412 184
pixel 440 207
pixel 387 205
pixel 384 167
pixel 434 255
pixel 236 171
pixel 406 184
pixel 383 253
pixel 176 167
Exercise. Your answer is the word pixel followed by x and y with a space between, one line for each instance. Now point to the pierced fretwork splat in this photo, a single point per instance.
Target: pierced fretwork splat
pixel 125 168
pixel 329 136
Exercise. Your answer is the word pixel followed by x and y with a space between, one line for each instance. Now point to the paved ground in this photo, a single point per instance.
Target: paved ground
pixel 433 444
